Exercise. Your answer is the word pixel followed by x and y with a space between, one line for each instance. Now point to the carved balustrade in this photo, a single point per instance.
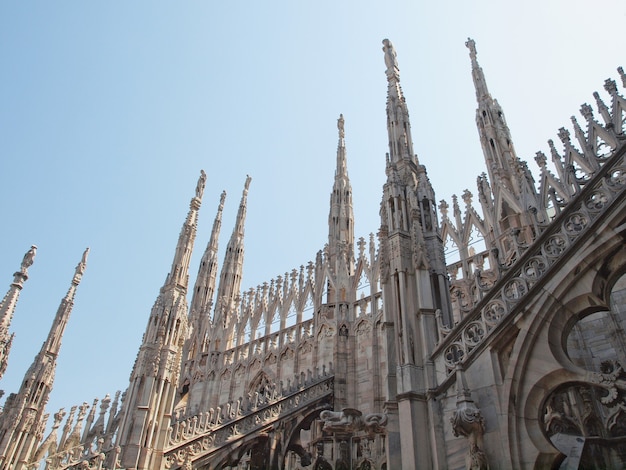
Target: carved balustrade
pixel 260 347
pixel 209 431
pixel 598 195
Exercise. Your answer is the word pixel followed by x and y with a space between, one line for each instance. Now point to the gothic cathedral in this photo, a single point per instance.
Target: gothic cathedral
pixel 415 348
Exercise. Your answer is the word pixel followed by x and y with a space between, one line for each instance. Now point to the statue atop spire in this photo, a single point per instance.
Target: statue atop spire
pixel 398 125
pixel 393 71
pixel 201 184
pixel 340 124
pixel 480 84
pixel 471 45
pixel 8 304
pixel 341 169
pixel 507 173
pixel 29 257
pixel 80 268
pixel 341 216
pixel 178 275
pixel 155 376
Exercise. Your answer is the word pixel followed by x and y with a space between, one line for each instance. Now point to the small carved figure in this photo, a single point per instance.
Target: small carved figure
pixel 320 462
pixel 80 268
pixel 29 257
pixel 201 184
pixel 342 462
pixel 471 45
pixel 390 55
pixel 345 420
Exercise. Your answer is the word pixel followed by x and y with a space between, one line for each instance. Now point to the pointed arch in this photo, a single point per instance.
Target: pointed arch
pixel 363 327
pixel 286 352
pixel 261 382
pixel 305 347
pixel 254 366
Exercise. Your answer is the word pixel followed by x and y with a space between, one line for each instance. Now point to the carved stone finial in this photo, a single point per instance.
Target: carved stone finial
pixel 467 197
pixel 553 152
pixel 58 417
pixel 541 159
pixel 586 111
pixel 622 75
pixel 443 208
pixel 610 86
pixel 564 135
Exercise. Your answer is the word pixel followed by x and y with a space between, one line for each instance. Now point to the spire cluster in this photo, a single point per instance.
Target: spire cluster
pixel 23 417
pixel 392 322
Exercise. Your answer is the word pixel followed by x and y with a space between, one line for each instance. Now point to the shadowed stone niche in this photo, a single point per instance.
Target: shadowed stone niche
pixel 586 421
pixel 358 439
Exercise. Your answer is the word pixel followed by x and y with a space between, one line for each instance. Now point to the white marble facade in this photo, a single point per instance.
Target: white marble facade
pixel 380 354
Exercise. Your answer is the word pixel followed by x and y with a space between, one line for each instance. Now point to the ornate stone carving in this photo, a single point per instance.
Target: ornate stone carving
pixel 533 265
pixel 590 412
pixel 350 420
pixel 612 379
pixel 467 421
pixel 201 184
pixel 390 58
pixel 200 435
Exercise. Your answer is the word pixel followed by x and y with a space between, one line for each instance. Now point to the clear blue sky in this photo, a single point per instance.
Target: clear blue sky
pixel 108 111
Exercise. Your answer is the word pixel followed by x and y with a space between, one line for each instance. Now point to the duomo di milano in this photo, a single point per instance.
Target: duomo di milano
pixel 383 353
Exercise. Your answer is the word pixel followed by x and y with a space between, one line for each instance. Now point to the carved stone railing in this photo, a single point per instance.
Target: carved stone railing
pixel 606 188
pixel 206 433
pixel 292 297
pixel 273 342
